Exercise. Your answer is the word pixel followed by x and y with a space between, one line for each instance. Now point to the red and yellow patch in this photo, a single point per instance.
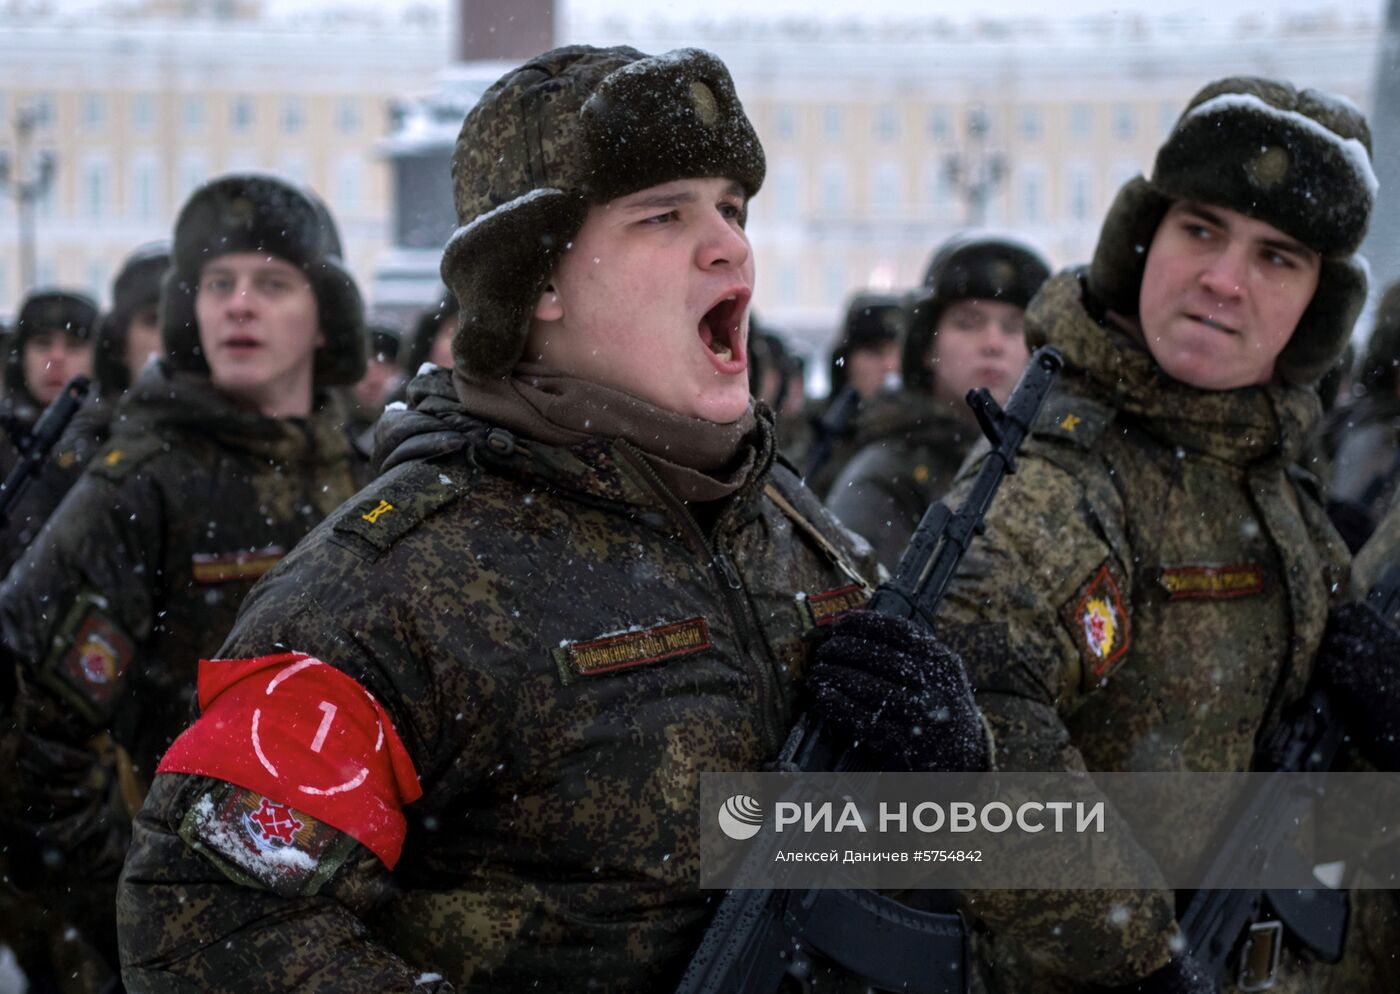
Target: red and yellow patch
pixel 624 650
pixel 257 840
pixel 819 610
pixel 1186 583
pixel 228 567
pixel 91 659
pixel 1099 623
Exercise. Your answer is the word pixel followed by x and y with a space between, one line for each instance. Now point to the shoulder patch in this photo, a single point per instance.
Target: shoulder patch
pixel 259 842
pixel 1098 622
pixel 830 606
pixel 394 505
pixel 1073 418
pixel 120 456
pixel 90 656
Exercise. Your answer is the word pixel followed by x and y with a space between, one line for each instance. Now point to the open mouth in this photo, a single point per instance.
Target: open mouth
pixel 720 326
pixel 241 343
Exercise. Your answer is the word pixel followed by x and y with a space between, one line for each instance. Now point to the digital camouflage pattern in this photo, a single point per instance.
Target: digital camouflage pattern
pixel 139 573
pixel 908 450
pixel 503 599
pixel 1149 594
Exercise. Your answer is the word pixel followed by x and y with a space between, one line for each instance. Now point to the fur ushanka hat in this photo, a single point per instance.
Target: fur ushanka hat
pixel 1299 160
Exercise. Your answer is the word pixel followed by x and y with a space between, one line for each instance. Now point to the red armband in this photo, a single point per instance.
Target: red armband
pixel 306 735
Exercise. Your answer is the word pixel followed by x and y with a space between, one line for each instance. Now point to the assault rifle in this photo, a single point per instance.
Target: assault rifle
pixel 758 936
pixel 832 425
pixel 41 441
pixel 1215 919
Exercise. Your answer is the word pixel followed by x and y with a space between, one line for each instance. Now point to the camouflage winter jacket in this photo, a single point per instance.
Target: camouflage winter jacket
pixel 1148 596
pixel 142 568
pixel 909 454
pixel 561 648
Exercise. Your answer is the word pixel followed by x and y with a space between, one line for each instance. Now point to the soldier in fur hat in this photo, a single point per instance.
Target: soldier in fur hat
pixel 222 456
pixel 579 581
pixel 1154 584
pixel 964 329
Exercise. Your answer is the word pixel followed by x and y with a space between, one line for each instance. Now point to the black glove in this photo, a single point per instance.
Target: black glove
pixel 1359 663
pixel 900 694
pixel 1181 975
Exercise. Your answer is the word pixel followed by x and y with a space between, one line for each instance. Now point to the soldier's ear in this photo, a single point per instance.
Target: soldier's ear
pixel 548 307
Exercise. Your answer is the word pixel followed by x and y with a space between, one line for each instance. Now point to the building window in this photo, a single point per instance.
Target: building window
pixel 833 187
pixel 1032 196
pixel 94 111
pixel 887 122
pixel 143 111
pixel 1081 121
pixel 785 122
pixel 887 193
pixel 94 187
pixel 787 184
pixel 240 116
pixel 1031 125
pixel 349 185
pixel 192 113
pixel 293 116
pixel 46 271
pixel 1121 172
pixel 43 107
pixel 1081 192
pixel 347 119
pixel 834 281
pixel 145 190
pixel 194 170
pixel 833 120
pixel 939 124
pixel 1124 122
pixel 938 187
pixel 96 278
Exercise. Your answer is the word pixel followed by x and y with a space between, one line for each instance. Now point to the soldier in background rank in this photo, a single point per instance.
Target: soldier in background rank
pixel 964 329
pixel 455 739
pixel 1155 580
pixel 222 456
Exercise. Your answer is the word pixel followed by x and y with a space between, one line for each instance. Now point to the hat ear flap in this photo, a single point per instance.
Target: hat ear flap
pixel 497 266
pixel 1325 327
pixel 1120 258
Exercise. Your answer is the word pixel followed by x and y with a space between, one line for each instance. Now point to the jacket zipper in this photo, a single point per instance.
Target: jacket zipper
pixel 732 588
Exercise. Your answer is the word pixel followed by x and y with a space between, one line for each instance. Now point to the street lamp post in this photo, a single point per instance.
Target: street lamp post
pixel 976 172
pixel 26 185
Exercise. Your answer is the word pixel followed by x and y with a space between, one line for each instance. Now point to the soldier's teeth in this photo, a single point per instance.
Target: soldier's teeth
pixel 725 354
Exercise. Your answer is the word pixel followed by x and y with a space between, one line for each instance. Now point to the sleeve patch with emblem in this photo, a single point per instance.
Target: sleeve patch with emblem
pixel 304 735
pixel 1098 622
pixel 1185 583
pixel 819 610
pixel 624 650
pixel 90 659
pixel 256 840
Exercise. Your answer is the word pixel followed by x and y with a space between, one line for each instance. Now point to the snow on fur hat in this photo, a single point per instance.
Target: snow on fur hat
pixel 253 212
pixel 47 310
pixel 573 127
pixel 969 266
pixel 1299 160
pixel 137 285
pixel 871 320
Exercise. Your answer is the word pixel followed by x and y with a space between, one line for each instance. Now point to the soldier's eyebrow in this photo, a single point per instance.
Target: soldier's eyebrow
pixel 654 200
